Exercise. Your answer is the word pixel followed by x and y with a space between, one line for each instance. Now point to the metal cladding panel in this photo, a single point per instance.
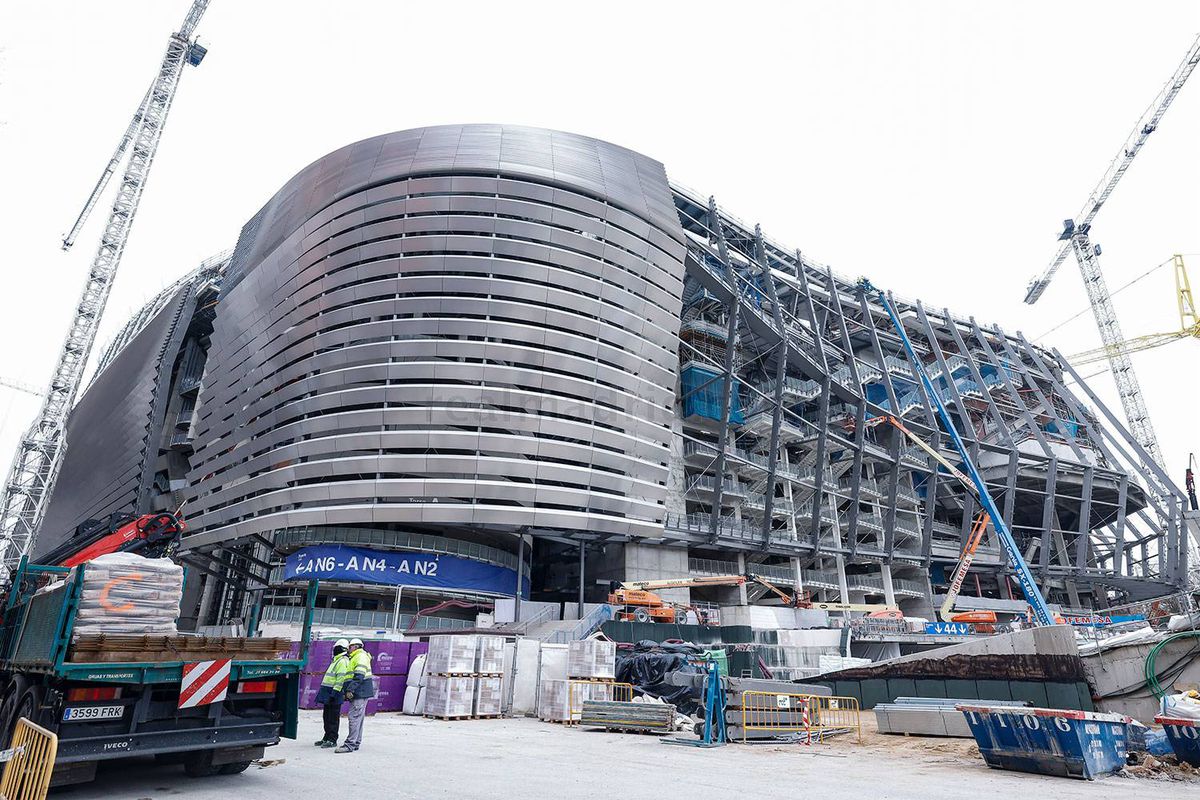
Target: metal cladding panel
pixel 109 429
pixel 456 325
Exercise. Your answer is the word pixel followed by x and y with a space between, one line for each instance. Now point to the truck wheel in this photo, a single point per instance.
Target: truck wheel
pixel 8 708
pixel 236 768
pixel 199 765
pixel 641 615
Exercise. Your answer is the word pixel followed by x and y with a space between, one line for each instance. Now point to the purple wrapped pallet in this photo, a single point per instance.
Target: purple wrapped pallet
pixel 293 652
pixel 389 691
pixel 320 653
pixel 310 684
pixel 389 658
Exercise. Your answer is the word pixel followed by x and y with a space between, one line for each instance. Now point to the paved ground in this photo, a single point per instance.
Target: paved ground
pixel 520 758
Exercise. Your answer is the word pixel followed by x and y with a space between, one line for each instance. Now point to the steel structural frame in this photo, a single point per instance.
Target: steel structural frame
pixel 1082 449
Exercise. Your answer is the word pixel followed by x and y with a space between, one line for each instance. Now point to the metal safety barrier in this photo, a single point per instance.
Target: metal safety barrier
pixel 30 758
pixel 580 690
pixel 812 715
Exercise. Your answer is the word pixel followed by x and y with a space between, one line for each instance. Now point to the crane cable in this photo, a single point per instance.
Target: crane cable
pixel 1147 273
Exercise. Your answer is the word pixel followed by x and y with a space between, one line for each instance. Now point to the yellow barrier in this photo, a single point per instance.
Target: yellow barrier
pixel 31 762
pixel 580 690
pixel 782 712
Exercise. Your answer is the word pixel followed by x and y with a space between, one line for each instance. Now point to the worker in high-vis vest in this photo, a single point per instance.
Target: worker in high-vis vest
pixel 330 694
pixel 359 687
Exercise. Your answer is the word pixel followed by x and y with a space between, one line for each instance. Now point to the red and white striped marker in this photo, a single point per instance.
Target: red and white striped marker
pixel 204 682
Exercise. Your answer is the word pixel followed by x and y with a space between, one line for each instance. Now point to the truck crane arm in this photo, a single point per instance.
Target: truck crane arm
pixel 1117 168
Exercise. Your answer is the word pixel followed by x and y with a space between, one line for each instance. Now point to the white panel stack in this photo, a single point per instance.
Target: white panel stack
pixel 451 655
pixel 488 697
pixel 593 659
pixel 489 655
pixel 449 698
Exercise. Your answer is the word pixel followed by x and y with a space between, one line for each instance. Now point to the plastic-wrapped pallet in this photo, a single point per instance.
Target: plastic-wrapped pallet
pixel 592 658
pixel 488 694
pixel 451 655
pixel 489 655
pixel 553 701
pixel 561 701
pixel 411 695
pixel 127 593
pixel 449 696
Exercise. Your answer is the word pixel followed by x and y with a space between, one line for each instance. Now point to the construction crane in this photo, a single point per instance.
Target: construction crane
pixel 1189 481
pixel 39 454
pixel 21 387
pixel 1076 236
pixel 1041 612
pixel 1189 325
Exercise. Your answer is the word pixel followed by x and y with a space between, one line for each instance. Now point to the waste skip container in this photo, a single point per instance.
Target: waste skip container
pixel 1049 741
pixel 1184 736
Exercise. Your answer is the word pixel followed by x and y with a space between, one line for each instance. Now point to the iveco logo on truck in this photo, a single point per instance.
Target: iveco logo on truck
pixel 117 745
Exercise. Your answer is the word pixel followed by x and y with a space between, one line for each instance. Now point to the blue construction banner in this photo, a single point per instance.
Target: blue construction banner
pixel 948 628
pixel 362 565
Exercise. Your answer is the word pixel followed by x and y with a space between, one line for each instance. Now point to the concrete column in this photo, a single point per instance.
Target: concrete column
pixel 889 593
pixel 742 600
pixel 799 576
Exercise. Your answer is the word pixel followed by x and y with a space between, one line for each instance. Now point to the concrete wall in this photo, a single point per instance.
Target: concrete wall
pixel 1118 670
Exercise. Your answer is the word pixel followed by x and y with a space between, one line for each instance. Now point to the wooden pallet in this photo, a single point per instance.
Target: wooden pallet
pixel 472 716
pixel 566 722
pixel 99 648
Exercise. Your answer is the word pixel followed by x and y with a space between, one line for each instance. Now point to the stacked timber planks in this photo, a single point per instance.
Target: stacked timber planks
pixel 105 648
pixel 623 716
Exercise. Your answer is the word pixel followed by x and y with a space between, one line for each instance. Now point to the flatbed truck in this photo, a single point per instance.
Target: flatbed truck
pixel 103 709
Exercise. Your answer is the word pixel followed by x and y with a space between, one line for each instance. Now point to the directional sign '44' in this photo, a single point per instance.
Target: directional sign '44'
pixel 948 628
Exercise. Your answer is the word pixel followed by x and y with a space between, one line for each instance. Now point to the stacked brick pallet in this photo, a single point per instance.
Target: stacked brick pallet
pixel 465 676
pixel 591 671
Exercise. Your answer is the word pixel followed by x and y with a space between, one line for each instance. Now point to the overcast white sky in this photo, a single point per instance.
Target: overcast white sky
pixel 932 146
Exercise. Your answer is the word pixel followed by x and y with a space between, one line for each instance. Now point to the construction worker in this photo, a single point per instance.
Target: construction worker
pixel 330 694
pixel 359 687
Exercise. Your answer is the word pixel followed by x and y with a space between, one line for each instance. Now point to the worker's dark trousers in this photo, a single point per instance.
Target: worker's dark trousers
pixel 331 716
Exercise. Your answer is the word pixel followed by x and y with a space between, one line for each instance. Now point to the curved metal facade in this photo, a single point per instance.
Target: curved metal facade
pixel 112 432
pixel 464 325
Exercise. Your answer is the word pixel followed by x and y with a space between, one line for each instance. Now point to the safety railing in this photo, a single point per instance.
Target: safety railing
pixel 580 690
pixel 30 758
pixel 811 715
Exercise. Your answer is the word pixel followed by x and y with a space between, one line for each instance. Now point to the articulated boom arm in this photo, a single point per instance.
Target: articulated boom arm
pixel 1041 612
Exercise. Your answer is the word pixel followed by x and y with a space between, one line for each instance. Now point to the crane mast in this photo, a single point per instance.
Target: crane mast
pixel 39 453
pixel 1076 236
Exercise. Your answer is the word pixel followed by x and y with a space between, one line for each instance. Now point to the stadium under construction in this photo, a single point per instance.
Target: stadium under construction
pixel 529 359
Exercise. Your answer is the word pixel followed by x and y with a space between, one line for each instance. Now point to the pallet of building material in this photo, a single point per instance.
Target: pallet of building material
pixel 489 700
pixel 929 716
pixel 489 655
pixel 623 716
pixel 592 659
pixel 450 697
pixel 96 648
pixel 452 655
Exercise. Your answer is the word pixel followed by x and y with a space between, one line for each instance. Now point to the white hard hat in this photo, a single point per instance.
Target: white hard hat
pixel 355 642
pixel 342 643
